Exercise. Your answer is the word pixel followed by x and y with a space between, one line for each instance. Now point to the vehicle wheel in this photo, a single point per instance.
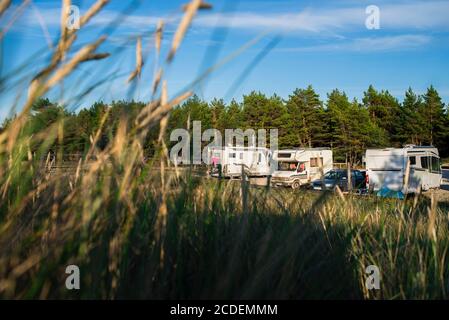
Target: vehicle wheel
pixel 296 185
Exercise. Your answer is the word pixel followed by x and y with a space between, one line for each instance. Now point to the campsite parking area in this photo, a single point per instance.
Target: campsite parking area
pixel 442 194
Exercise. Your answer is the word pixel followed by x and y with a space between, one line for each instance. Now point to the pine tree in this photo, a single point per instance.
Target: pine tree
pixel 234 116
pixel 276 117
pixel 218 114
pixel 385 112
pixel 433 112
pixel 254 106
pixel 412 122
pixel 194 109
pixel 372 101
pixel 349 128
pixel 338 108
pixel 306 117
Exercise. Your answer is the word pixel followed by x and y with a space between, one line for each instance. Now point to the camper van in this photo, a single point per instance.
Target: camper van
pixel 228 162
pixel 297 167
pixel 387 168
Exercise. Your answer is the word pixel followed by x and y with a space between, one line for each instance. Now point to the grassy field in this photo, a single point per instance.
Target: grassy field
pixel 205 238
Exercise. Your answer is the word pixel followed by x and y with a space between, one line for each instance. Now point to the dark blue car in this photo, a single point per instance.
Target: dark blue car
pixel 339 177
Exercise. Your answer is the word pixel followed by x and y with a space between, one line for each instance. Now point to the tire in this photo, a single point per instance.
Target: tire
pixel 296 184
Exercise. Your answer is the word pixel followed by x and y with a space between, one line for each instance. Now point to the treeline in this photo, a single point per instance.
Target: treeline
pixel 347 126
pixel 303 120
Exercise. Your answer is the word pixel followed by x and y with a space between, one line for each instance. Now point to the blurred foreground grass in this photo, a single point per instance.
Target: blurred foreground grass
pixel 202 241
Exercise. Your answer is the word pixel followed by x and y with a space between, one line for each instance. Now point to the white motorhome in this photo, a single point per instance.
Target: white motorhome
pixel 228 161
pixel 298 167
pixel 387 168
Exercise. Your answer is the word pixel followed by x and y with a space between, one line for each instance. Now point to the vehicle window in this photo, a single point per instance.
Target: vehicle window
pixel 315 162
pixel 331 175
pixel 358 174
pixel 435 165
pixel 260 157
pixel 241 156
pixel 284 155
pixel 412 160
pixel 232 155
pixel 424 163
pixel 301 167
pixel 287 166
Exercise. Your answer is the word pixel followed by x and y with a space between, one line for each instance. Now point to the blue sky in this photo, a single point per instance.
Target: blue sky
pixel 322 43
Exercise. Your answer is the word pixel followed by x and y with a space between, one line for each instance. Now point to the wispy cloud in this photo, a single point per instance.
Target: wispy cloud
pixel 377 44
pixel 406 15
pixel 307 20
pixel 45 22
pixel 417 14
pixel 133 21
pixel 404 22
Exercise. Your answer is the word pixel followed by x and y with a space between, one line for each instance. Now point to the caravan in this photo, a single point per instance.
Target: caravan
pixel 387 168
pixel 298 167
pixel 228 162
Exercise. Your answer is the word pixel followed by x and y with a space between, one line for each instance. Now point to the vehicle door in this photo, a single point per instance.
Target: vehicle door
pixel 235 163
pixel 358 180
pixel 424 175
pixel 415 175
pixel 342 180
pixel 435 172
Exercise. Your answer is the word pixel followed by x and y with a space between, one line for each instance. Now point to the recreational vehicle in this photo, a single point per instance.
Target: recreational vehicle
pixel 407 169
pixel 298 167
pixel 228 162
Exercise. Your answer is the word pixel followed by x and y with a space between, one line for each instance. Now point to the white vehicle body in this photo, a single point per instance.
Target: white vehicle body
pixel 388 168
pixel 254 160
pixel 298 167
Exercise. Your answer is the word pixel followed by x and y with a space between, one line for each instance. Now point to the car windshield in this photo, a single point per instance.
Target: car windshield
pixel 287 166
pixel 332 175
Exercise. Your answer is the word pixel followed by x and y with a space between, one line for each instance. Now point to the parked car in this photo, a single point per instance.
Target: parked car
pixel 339 177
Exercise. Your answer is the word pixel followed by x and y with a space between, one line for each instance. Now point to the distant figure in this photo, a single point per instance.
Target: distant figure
pixel 219 170
pixel 302 167
pixel 293 166
pixel 214 161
